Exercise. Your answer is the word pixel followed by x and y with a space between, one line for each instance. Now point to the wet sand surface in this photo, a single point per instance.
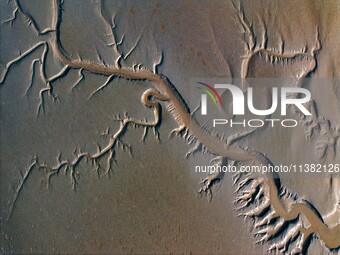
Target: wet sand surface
pixel 148 202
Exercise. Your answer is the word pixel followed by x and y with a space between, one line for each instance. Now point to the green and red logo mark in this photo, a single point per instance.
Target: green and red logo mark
pixel 211 91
